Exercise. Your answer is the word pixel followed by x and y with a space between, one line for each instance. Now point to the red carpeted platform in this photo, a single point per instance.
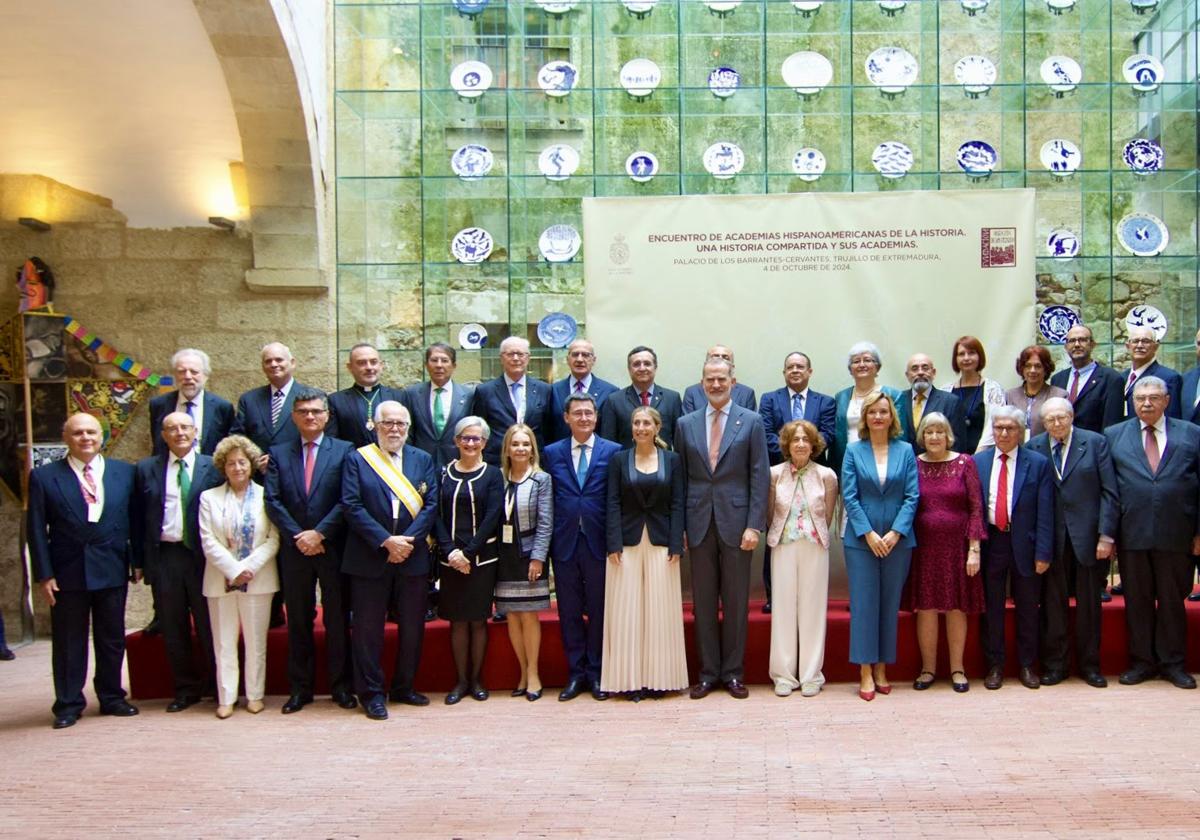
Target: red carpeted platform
pixel 149 676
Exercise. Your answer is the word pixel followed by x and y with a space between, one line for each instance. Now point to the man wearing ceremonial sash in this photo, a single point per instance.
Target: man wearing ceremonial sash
pixel 389 498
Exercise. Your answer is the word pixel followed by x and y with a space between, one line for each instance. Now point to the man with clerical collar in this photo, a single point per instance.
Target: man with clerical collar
pixel 351 409
pixel 581 358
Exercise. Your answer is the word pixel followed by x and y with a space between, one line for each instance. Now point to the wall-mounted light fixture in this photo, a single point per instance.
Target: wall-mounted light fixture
pixel 33 224
pixel 222 222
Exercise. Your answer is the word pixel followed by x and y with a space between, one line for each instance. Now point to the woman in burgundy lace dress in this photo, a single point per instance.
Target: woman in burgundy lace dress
pixel 945 564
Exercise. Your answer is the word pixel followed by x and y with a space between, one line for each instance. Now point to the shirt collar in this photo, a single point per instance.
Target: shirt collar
pixel 317 440
pixel 587 382
pixel 287 387
pixel 77 465
pixel 189 458
pixel 803 393
pixel 1012 456
pixel 1086 370
pixel 1160 426
pixel 709 411
pixel 590 443
pixel 196 400
pixel 1138 372
pixel 512 382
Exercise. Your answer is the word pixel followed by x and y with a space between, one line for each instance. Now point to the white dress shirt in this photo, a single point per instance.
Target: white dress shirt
pixel 994 483
pixel 434 396
pixel 172 523
pixel 577 448
pixel 96 509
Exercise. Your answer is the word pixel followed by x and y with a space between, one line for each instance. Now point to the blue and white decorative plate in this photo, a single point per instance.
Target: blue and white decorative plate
pixel 891 7
pixel 1142 155
pixel 806 72
pixel 557 78
pixel 472 336
pixel 470 79
pixel 471 245
pixel 470 7
pixel 551 7
pixel 809 164
pixel 1056 321
pixel 1145 315
pixel 973 7
pixel 1060 156
pixel 1063 244
pixel 557 330
pixel 472 161
pixel 892 69
pixel 724 82
pixel 1143 234
pixel 559 243
pixel 806 7
pixel 724 160
pixel 976 157
pixel 892 159
pixel 1144 72
pixel 558 162
pixel 1060 6
pixel 1143 6
pixel 976 73
pixel 1062 73
pixel 722 7
pixel 644 7
pixel 641 166
pixel 640 76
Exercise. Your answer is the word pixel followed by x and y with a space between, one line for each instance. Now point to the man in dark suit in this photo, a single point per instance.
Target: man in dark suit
pixel 616 416
pixel 166 547
pixel 212 415
pixel 1157 462
pixel 1085 518
pixel 265 414
pixel 1142 345
pixel 923 398
pixel 437 405
pixel 78 525
pixel 581 358
pixel 724 452
pixel 351 409
pixel 1095 390
pixel 694 398
pixel 389 500
pixel 579 469
pixel 513 397
pixel 303 494
pixel 1190 411
pixel 1019 500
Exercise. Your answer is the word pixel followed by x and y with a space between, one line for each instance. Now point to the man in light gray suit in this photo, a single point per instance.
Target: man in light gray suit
pixel 724 451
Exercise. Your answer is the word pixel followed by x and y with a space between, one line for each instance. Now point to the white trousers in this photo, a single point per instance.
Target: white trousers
pixel 250 615
pixel 799 598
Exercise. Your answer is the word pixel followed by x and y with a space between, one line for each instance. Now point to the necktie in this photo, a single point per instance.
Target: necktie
pixel 1002 494
pixel 189 405
pixel 714 440
pixel 645 398
pixel 582 468
pixel 578 386
pixel 1074 387
pixel 1058 457
pixel 1152 453
pixel 439 413
pixel 797 407
pixel 516 401
pixel 89 485
pixel 185 489
pixel 1129 384
pixel 276 407
pixel 310 460
pixel 918 409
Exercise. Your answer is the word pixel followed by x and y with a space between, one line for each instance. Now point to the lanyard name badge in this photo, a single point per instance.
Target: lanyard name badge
pixel 510 501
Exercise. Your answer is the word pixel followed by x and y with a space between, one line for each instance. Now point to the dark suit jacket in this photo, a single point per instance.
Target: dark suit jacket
pixel 422 435
pixel 1085 497
pixel 694 397
pixel 579 513
pixel 348 414
pixel 253 417
pixel 616 416
pixel 218 418
pixel 735 494
pixel 633 507
pixel 1032 520
pixel 560 390
pixel 935 400
pixel 1174 388
pixel 1100 403
pixel 1159 510
pixel 870 507
pixel 290 508
pixel 151 477
pixel 1191 382
pixel 776 411
pixel 63 545
pixel 493 403
pixel 367 508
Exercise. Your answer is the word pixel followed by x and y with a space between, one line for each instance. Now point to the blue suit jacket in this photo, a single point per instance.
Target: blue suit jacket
pixel 695 399
pixel 776 411
pixel 1159 510
pixel 1188 409
pixel 150 479
pixel 63 545
pixel 367 508
pixel 560 390
pixel 1032 504
pixel 253 417
pixel 580 514
pixel 1174 388
pixel 290 508
pixel 1085 496
pixel 841 434
pixel 494 404
pixel 940 401
pixel 870 507
pixel 218 418
pixel 1100 403
pixel 348 414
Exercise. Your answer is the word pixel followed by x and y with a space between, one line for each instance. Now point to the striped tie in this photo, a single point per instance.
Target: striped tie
pixel 276 407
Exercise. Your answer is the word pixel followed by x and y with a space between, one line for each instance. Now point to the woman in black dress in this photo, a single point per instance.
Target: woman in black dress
pixel 470 503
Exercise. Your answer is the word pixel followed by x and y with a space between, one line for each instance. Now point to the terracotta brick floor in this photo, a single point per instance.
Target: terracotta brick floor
pixel 1068 760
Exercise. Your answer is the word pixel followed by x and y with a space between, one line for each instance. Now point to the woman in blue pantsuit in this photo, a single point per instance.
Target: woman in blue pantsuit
pixel 879 490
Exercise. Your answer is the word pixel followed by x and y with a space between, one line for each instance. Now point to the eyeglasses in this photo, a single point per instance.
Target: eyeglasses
pixel 515 354
pixel 1079 341
pixel 1140 342
pixel 470 439
pixel 309 412
pixel 393 424
pixel 1149 398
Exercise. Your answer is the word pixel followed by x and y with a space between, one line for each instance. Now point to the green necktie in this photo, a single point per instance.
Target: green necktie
pixel 185 492
pixel 439 415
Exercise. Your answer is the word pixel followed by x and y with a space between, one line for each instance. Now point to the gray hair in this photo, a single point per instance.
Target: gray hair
pixel 860 347
pixel 471 420
pixel 1057 404
pixel 286 349
pixel 378 415
pixel 205 362
pixel 515 339
pixel 1008 412
pixel 711 361
pixel 935 418
pixel 1145 382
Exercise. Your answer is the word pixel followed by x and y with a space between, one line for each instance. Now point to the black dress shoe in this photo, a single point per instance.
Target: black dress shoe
pixel 6 655
pixel 480 693
pixel 181 703
pixel 701 690
pixel 154 628
pixel 1105 597
pixel 737 689
pixel 375 708
pixel 1095 679
pixel 295 703
pixel 1195 596
pixel 430 615
pixel 518 692
pixel 65 721
pixel 1053 677
pixel 120 709
pixel 456 694
pixel 1134 676
pixel 994 678
pixel 345 700
pixel 766 608
pixel 1028 678
pixel 409 698
pixel 500 617
pixel 1179 678
pixel 598 693
pixel 572 690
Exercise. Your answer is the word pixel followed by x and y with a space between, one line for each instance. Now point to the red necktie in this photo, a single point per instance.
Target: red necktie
pixel 1152 453
pixel 309 462
pixel 1074 387
pixel 645 398
pixel 89 485
pixel 1002 494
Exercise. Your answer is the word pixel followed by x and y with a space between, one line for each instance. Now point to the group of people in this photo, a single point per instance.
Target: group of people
pixel 948 497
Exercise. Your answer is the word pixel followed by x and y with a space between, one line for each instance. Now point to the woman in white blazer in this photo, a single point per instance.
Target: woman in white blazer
pixel 240 577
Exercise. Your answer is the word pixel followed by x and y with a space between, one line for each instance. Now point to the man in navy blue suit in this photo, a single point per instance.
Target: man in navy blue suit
pixel 923 398
pixel 1018 496
pixel 389 500
pixel 579 468
pixel 513 397
pixel 437 405
pixel 166 547
pixel 212 415
pixel 694 398
pixel 616 415
pixel 1190 411
pixel 79 524
pixel 581 358
pixel 1142 345
pixel 351 409
pixel 303 494
pixel 1095 390
pixel 265 414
